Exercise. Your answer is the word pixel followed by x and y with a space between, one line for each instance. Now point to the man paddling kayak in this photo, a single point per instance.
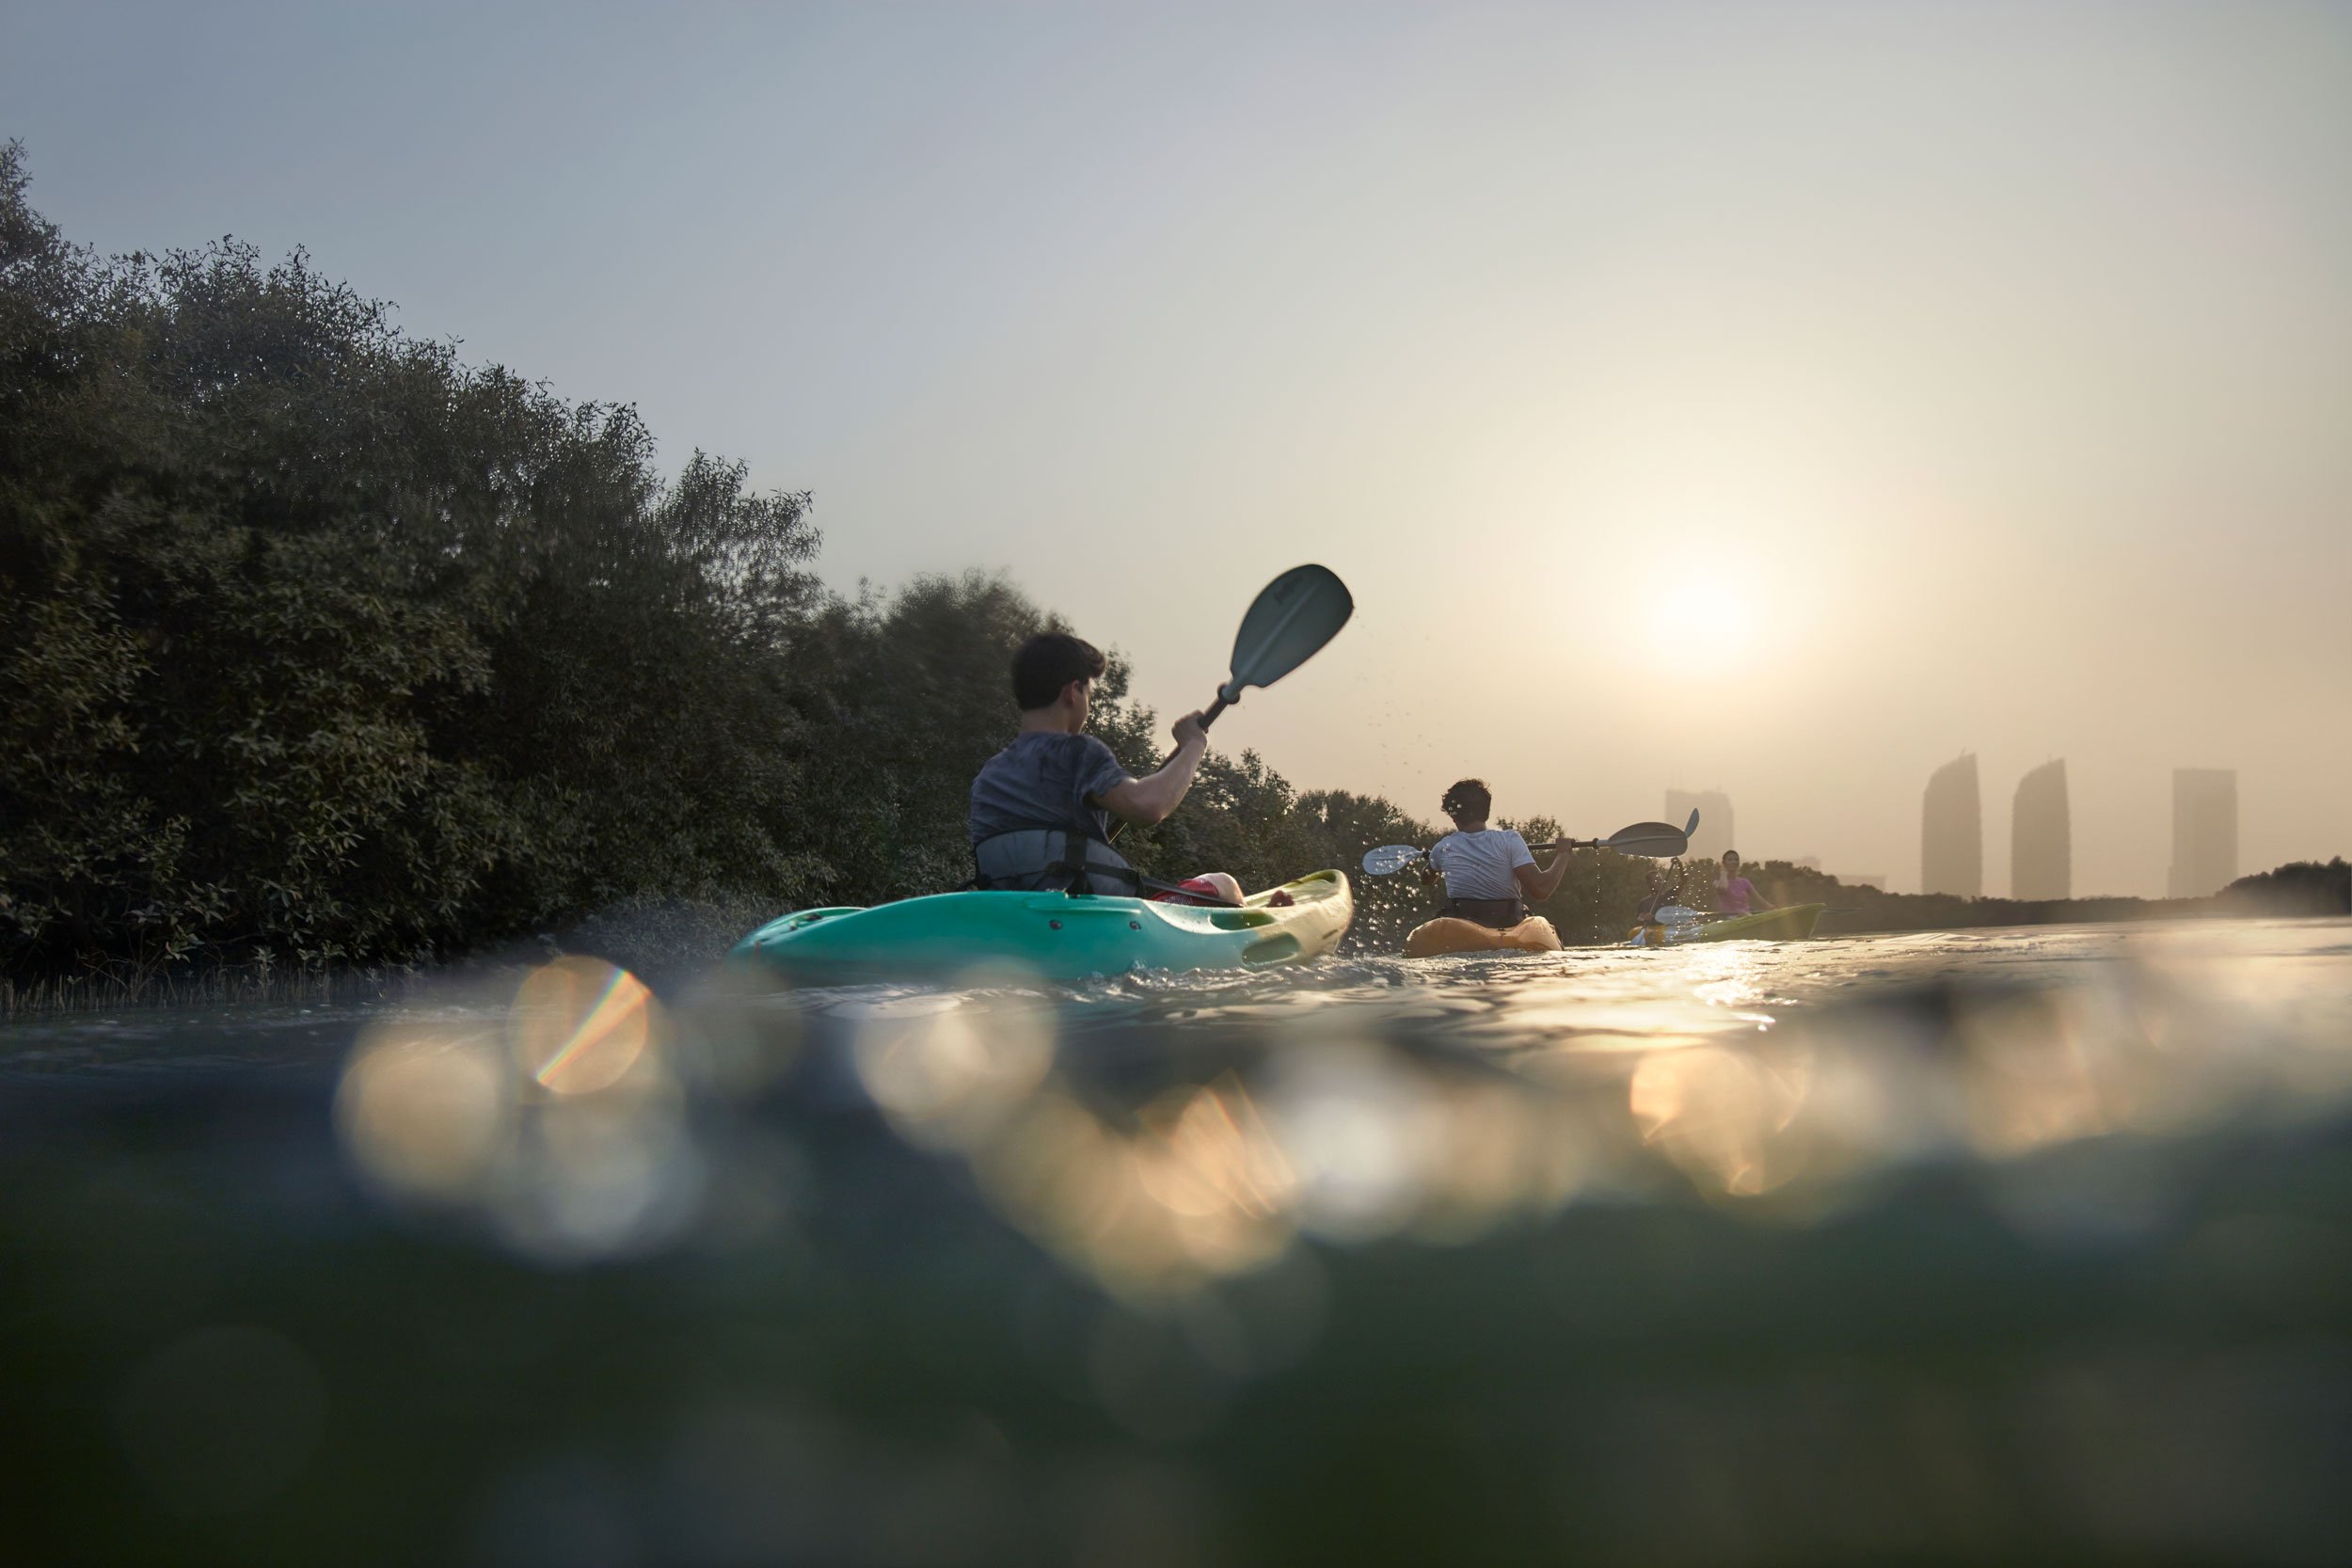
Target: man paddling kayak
pixel 1042 807
pixel 1491 875
pixel 1660 894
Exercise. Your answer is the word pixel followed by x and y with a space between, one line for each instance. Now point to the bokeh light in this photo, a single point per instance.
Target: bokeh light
pixel 579 1024
pixel 555 1121
pixel 425 1110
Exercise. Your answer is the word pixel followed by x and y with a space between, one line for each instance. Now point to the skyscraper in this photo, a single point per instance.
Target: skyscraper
pixel 2041 836
pixel 1714 808
pixel 1952 831
pixel 2204 830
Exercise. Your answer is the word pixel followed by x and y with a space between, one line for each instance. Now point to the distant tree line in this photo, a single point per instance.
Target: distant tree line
pixel 321 647
pixel 2302 889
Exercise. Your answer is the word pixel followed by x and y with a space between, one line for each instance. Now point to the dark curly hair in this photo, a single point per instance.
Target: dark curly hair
pixel 1470 799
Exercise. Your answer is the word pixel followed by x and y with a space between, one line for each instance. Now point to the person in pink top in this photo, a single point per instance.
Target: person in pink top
pixel 1735 893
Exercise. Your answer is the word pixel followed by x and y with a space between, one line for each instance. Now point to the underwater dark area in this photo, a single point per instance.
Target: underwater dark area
pixel 2003 1245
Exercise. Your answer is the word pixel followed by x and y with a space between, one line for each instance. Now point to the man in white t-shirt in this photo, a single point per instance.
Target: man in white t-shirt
pixel 1490 875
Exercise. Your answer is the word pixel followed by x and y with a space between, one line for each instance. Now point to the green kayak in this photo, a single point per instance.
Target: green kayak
pixel 1678 926
pixel 1791 923
pixel 1056 936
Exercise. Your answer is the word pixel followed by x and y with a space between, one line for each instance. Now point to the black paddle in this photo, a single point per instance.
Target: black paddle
pixel 1288 624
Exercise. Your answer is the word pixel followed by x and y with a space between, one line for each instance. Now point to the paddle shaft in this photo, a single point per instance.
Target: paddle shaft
pixel 1555 844
pixel 1208 717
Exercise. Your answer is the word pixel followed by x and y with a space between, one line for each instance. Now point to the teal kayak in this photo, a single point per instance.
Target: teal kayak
pixel 1056 936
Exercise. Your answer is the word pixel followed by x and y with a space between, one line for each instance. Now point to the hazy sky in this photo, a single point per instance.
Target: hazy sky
pixel 1778 397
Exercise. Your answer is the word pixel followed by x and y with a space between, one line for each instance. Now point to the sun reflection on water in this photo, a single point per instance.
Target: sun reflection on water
pixel 1722 1114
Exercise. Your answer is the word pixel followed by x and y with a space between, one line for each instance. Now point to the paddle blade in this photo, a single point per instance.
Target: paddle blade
pixel 1662 839
pixel 1389 859
pixel 1692 826
pixel 1293 618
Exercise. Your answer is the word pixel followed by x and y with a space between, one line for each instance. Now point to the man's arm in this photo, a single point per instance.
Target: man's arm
pixel 1539 885
pixel 1149 799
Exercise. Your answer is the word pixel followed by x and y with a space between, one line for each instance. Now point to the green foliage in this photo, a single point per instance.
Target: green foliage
pixel 322 644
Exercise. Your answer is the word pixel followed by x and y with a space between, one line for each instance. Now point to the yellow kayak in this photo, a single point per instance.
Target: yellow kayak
pixel 1446 934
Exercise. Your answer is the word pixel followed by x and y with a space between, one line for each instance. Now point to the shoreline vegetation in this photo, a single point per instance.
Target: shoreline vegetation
pixel 331 658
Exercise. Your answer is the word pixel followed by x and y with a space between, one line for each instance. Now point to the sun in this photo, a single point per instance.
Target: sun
pixel 1697 617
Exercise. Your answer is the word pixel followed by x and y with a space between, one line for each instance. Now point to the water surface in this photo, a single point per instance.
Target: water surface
pixel 1987 1246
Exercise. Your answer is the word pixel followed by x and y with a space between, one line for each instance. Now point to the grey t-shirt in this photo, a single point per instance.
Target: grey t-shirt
pixel 1043 781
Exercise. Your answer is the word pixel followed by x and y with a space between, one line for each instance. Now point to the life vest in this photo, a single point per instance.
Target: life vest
pixel 1053 860
pixel 1497 914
